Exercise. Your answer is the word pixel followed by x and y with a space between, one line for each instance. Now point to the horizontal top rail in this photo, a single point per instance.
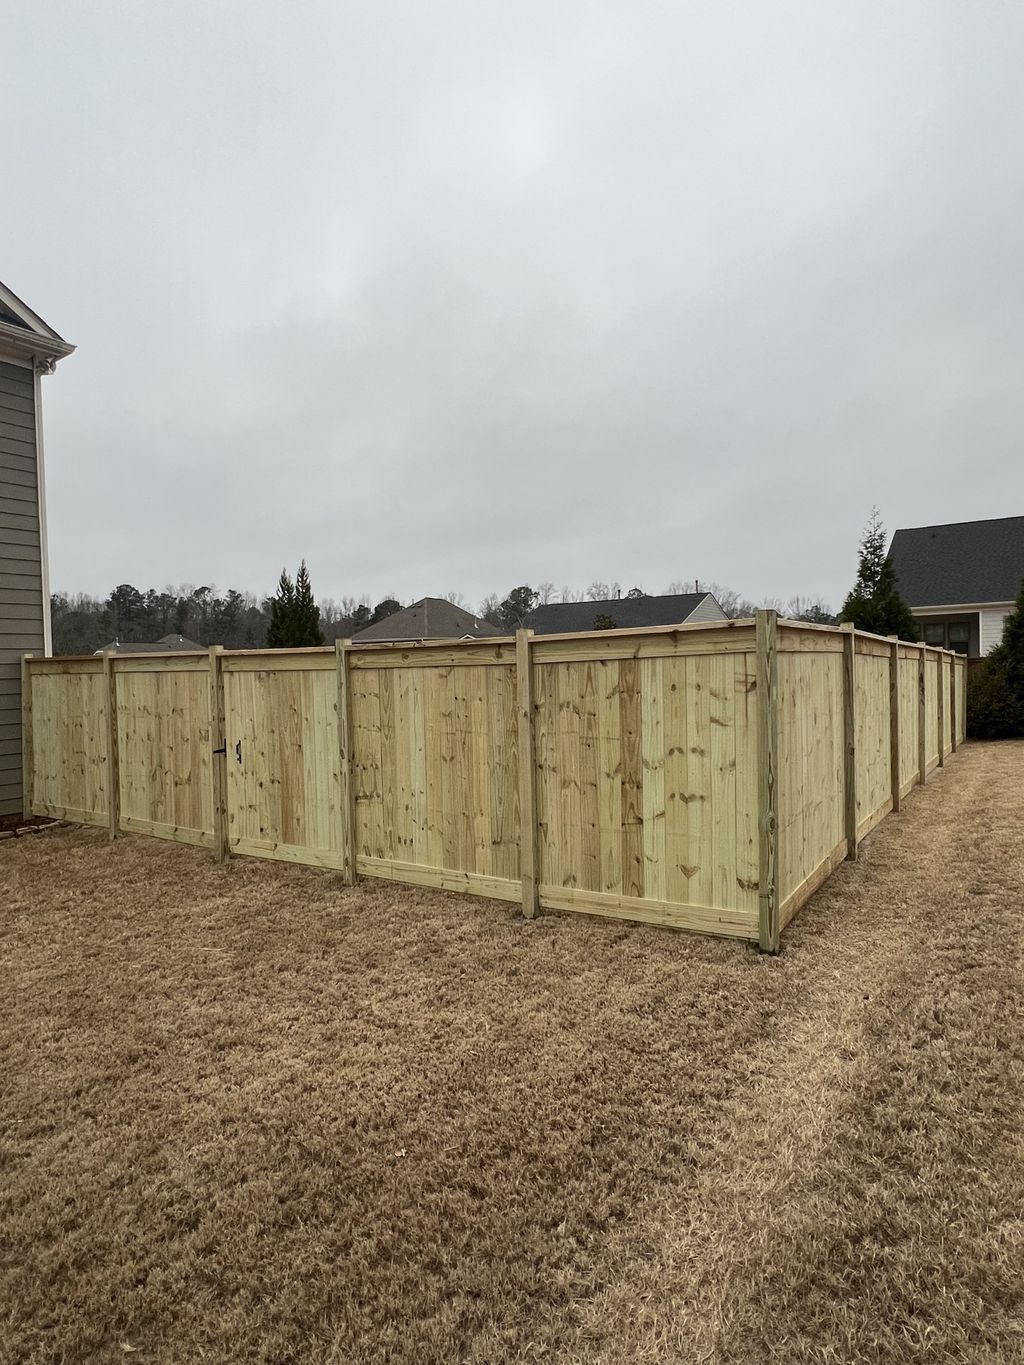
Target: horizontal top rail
pixel 500 648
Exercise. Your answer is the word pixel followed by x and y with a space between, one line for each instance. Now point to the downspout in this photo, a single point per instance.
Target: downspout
pixel 41 366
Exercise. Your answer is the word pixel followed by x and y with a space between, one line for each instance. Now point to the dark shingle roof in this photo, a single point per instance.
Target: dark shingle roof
pixel 672 609
pixel 968 561
pixel 168 644
pixel 431 618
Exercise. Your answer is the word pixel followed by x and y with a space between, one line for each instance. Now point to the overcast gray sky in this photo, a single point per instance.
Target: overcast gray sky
pixel 464 294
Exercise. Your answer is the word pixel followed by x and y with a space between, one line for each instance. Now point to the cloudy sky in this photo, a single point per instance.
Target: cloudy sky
pixel 462 294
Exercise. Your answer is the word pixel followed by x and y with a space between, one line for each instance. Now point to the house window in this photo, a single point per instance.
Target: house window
pixel 959 635
pixel 935 633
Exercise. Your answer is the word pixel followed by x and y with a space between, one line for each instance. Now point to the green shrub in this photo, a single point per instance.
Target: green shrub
pixel 994 708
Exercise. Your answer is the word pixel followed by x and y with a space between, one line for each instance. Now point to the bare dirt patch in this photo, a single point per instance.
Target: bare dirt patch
pixel 252 1115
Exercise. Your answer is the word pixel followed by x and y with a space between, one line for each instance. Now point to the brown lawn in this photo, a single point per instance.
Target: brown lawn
pixel 251 1115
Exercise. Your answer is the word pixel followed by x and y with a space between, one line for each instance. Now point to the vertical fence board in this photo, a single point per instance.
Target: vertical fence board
pixel 850 741
pixel 895 727
pixel 113 766
pixel 27 751
pixel 769 926
pixel 527 774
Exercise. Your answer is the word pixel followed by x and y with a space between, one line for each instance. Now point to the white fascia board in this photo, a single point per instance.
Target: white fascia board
pixel 31 320
pixel 957 607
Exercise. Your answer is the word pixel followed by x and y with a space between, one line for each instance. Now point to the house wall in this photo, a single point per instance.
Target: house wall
pixel 992 621
pixel 21 574
pixel 709 610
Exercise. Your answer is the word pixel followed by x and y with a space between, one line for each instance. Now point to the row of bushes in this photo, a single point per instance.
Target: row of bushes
pixel 995 688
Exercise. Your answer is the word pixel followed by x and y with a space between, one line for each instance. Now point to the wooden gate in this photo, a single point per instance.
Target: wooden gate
pixel 284 787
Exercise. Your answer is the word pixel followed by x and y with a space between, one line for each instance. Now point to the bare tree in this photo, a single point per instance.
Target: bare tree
pixel 598 592
pixel 489 608
pixel 545 592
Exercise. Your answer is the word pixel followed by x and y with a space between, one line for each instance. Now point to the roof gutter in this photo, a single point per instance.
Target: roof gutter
pixel 44 349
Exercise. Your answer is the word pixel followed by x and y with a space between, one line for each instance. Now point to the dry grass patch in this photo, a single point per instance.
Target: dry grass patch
pixel 250 1114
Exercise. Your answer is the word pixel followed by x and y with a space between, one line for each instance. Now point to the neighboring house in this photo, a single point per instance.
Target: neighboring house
pixel 28 350
pixel 625 613
pixel 167 644
pixel 431 618
pixel 961 581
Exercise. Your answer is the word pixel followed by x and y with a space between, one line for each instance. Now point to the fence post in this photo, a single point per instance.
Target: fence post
pixel 922 739
pixel 27 750
pixel 850 738
pixel 347 806
pixel 953 717
pixel 940 706
pixel 113 766
pixel 218 756
pixel 527 775
pixel 767 688
pixel 895 737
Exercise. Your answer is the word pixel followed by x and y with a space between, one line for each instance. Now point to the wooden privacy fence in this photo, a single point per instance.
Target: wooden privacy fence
pixel 708 777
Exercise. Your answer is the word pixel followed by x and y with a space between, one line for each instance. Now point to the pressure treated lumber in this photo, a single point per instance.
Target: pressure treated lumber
pixel 527 775
pixel 346 810
pixel 218 754
pixel 113 767
pixel 27 756
pixel 767 678
pixel 703 778
pixel 850 740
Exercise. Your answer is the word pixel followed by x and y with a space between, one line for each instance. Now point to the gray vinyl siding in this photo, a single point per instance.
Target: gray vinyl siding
pixel 709 610
pixel 21 576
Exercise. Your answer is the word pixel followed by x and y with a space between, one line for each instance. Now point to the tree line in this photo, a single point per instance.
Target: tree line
pixel 291 617
pixel 238 619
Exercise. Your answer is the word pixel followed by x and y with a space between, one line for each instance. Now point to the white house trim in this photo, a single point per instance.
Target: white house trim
pixel 32 321
pixel 955 607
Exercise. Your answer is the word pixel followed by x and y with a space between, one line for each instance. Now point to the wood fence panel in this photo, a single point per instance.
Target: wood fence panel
pixel 811 772
pixel 436 773
pixel 285 796
pixel 682 777
pixel 948 717
pixel 70 764
pixel 931 712
pixel 163 744
pixel 908 702
pixel 873 735
pixel 647 787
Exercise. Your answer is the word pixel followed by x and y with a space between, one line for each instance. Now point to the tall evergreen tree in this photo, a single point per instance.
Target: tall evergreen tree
pixel 282 614
pixel 307 629
pixel 874 602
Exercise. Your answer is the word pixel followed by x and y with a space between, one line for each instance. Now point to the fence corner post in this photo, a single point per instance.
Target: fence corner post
pixel 346 801
pixel 922 738
pixel 767 688
pixel 940 706
pixel 113 764
pixel 850 738
pixel 895 735
pixel 27 750
pixel 527 775
pixel 218 756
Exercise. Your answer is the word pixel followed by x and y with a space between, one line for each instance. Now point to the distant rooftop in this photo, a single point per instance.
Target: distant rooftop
pixel 628 613
pixel 431 618
pixel 167 644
